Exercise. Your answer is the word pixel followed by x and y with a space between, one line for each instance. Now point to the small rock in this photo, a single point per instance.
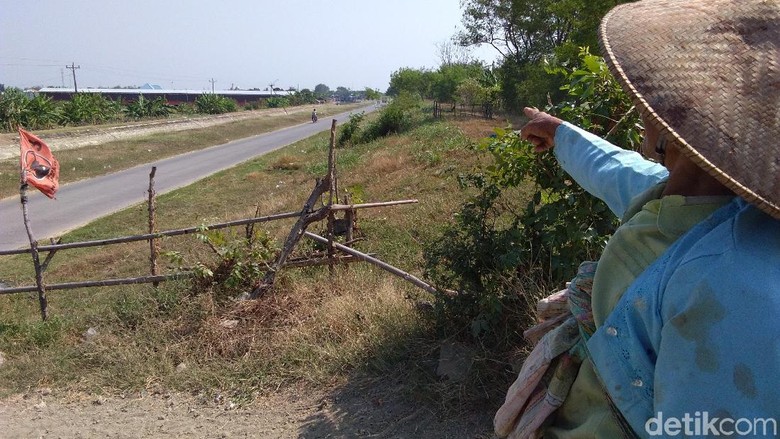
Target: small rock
pixel 228 324
pixel 44 391
pixel 99 401
pixel 40 405
pixel 89 334
pixel 181 367
pixel 230 406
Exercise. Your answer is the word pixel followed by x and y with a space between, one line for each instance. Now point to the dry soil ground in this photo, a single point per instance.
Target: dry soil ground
pixel 355 409
pixel 350 411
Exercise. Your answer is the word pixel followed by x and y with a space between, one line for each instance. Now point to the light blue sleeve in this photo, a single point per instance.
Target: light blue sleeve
pixel 612 174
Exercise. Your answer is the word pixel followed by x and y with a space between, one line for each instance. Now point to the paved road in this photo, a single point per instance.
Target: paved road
pixel 81 202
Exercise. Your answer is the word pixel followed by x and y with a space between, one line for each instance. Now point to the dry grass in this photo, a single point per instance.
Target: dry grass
pixel 311 329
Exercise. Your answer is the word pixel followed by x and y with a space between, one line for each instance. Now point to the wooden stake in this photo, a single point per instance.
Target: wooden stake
pixel 154 247
pixel 332 196
pixel 383 265
pixel 42 301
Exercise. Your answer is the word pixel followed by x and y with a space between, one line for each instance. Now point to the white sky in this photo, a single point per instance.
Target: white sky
pixel 183 44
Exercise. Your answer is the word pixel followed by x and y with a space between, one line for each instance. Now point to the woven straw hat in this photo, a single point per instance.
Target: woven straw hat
pixel 707 73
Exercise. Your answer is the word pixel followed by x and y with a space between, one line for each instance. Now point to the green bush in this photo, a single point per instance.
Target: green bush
pixel 499 253
pixel 277 102
pixel 401 115
pixel 143 108
pixel 13 109
pixel 214 104
pixel 88 108
pixel 350 130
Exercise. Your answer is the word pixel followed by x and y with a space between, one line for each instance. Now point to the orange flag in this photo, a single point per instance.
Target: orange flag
pixel 42 169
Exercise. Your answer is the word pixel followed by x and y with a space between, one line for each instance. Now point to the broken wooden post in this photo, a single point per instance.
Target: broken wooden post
pixel 307 217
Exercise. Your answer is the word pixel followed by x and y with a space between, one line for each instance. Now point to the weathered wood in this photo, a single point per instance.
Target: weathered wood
pixel 370 205
pixel 50 255
pixel 312 262
pixel 154 247
pixel 332 196
pixel 102 283
pixel 146 237
pixel 307 217
pixel 383 265
pixel 190 230
pixel 39 285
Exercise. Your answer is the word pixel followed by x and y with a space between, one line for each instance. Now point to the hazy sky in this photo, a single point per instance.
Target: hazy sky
pixel 183 44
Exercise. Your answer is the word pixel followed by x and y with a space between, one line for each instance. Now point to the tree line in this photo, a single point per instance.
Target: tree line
pixel 35 111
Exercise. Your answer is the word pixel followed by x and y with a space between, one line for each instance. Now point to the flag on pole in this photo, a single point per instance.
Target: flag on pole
pixel 39 165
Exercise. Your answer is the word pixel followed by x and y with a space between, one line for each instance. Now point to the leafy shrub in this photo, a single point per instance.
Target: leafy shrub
pixel 349 131
pixel 143 107
pixel 277 102
pixel 208 103
pixel 399 116
pixel 241 260
pixel 495 250
pixel 13 106
pixel 89 108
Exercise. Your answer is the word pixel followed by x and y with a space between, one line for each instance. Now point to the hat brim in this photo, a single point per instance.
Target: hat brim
pixel 706 73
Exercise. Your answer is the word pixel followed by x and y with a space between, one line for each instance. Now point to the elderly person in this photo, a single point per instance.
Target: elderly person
pixel 685 299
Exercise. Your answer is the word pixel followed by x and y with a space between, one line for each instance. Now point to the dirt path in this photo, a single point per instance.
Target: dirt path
pixel 349 411
pixel 67 138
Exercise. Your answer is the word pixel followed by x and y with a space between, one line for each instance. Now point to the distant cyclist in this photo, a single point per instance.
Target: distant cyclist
pixel 314 116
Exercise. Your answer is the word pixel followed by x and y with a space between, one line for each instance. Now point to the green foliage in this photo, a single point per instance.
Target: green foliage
pixel 16 109
pixel 349 131
pixel 603 107
pixel 322 91
pixel 402 114
pixel 448 77
pixel 13 104
pixel 372 94
pixel 240 259
pixel 410 81
pixel 42 113
pixel 143 107
pixel 208 103
pixel 89 108
pixel 495 246
pixel 277 102
pixel 303 97
pixel 525 33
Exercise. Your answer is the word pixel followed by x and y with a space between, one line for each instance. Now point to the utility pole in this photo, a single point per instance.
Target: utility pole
pixel 73 67
pixel 212 81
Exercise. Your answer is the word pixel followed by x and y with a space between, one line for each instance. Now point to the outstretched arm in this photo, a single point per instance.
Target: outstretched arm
pixel 608 172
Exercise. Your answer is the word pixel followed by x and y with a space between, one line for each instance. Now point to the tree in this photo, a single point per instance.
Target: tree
pixel 471 92
pixel 322 91
pixel 343 94
pixel 407 79
pixel 372 94
pixel 525 32
pixel 447 79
